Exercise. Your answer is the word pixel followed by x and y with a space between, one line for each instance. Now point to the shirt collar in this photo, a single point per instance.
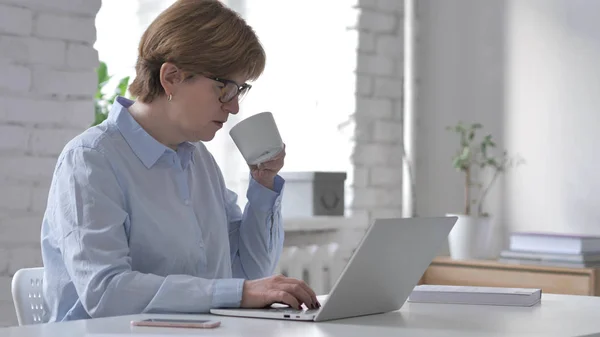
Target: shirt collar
pixel 145 147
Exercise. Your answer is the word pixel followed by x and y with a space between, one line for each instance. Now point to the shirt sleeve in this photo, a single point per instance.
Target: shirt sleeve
pixel 89 217
pixel 256 236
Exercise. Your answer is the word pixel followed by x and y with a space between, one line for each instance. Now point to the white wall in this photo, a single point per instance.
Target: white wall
pixel 553 115
pixel 377 155
pixel 459 58
pixel 460 61
pixel 47 81
pixel 529 71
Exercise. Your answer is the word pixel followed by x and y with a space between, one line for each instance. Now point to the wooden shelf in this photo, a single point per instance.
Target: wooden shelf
pixel 558 280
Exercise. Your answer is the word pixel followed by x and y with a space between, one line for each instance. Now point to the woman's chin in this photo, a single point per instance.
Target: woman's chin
pixel 204 137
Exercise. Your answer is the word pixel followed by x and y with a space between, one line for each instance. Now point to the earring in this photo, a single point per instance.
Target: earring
pixel 170 97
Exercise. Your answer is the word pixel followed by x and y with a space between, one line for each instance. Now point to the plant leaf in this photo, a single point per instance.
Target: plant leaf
pixel 123 85
pixel 103 101
pixel 456 163
pixel 102 72
pixel 466 152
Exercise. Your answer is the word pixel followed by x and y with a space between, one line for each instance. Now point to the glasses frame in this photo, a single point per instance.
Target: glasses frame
pixel 224 81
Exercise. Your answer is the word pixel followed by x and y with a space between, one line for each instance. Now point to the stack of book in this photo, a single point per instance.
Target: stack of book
pixel 552 249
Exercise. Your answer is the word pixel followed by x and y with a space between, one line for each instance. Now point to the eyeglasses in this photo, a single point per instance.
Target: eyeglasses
pixel 231 89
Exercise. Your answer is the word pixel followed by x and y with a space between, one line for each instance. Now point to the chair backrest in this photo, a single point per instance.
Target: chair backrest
pixel 27 295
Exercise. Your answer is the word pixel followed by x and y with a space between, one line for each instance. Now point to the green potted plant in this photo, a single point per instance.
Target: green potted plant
pixel 102 100
pixel 472 235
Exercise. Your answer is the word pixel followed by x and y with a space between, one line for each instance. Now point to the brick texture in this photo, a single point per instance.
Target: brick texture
pixel 15 20
pixel 47 85
pixel 81 29
pixel 15 78
pixel 87 8
pixel 33 50
pixel 377 156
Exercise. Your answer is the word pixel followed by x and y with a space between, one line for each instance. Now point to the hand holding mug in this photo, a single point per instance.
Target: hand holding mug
pixel 258 139
pixel 264 173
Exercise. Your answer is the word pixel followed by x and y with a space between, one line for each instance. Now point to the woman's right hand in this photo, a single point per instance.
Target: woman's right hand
pixel 278 289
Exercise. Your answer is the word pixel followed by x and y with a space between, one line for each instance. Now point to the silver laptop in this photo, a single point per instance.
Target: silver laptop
pixel 381 274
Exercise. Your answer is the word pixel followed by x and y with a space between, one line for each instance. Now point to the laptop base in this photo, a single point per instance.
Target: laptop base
pixel 272 313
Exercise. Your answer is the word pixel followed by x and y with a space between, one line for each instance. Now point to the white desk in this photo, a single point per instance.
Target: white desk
pixel 557 315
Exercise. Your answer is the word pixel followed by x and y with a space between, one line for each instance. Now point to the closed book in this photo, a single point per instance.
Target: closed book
pixel 554 243
pixel 523 297
pixel 547 263
pixel 591 259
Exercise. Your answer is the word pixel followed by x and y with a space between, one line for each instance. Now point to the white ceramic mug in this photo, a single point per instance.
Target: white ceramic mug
pixel 257 138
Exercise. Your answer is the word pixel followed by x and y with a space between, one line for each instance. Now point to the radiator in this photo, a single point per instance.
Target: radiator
pixel 317 265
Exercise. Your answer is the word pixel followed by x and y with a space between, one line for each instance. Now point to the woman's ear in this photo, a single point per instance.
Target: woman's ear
pixel 170 77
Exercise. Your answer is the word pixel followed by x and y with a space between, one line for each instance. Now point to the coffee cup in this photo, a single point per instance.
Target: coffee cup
pixel 257 138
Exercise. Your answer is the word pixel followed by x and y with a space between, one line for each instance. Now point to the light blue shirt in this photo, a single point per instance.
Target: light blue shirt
pixel 133 226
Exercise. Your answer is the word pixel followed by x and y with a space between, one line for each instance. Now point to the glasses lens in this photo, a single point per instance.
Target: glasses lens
pixel 243 93
pixel 229 92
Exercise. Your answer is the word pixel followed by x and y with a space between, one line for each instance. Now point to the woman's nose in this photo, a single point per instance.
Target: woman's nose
pixel 232 107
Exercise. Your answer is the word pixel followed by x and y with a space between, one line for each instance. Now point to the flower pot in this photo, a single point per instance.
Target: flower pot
pixel 470 238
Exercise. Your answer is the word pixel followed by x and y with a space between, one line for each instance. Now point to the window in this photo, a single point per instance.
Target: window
pixel 308 84
pixel 117 35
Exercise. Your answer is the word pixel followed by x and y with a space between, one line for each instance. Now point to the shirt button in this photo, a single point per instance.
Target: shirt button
pixel 187 202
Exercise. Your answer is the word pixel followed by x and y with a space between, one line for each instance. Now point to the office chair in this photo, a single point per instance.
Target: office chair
pixel 27 295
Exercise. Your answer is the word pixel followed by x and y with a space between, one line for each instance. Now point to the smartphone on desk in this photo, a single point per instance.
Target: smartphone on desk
pixel 177 323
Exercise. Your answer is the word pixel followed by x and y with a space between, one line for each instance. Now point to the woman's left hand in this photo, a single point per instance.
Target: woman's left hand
pixel 264 173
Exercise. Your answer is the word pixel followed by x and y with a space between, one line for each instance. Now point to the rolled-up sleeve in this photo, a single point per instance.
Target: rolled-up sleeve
pixel 89 215
pixel 256 236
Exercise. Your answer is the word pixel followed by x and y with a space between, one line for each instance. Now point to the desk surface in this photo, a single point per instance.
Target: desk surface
pixel 556 315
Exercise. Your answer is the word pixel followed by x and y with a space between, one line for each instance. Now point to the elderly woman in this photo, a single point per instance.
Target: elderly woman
pixel 139 219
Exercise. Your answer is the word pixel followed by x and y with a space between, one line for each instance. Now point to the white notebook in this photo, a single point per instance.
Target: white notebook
pixel 523 297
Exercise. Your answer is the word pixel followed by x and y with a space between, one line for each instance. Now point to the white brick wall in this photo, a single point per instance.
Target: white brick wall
pixel 47 83
pixel 33 50
pixel 15 20
pixel 377 157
